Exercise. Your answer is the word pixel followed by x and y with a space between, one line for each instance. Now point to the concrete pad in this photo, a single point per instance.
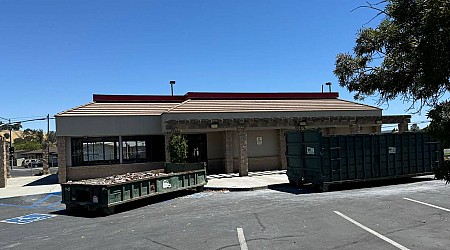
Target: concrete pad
pixel 255 181
pixel 32 185
pixel 21 186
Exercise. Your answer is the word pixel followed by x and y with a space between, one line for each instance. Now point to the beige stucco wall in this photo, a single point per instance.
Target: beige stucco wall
pixel 260 157
pixel 108 125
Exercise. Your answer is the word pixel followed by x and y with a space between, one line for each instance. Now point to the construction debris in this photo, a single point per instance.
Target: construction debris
pixel 115 179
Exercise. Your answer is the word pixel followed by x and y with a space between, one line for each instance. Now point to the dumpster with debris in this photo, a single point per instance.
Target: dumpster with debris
pixel 106 193
pixel 324 160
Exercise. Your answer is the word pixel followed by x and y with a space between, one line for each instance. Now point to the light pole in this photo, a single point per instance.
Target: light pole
pixel 329 86
pixel 172 82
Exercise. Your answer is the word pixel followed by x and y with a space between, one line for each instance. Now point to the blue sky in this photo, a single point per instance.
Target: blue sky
pixel 55 54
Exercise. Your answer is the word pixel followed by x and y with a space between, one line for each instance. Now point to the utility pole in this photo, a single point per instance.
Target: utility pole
pixel 10 145
pixel 48 139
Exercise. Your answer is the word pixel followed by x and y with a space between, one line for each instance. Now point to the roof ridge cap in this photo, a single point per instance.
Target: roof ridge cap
pixel 176 106
pixel 72 109
pixel 363 104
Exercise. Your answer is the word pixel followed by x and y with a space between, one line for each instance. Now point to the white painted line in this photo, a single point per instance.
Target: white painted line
pixel 427 204
pixel 241 237
pixel 372 231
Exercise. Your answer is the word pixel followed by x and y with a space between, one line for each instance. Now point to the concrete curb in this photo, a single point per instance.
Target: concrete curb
pixel 236 189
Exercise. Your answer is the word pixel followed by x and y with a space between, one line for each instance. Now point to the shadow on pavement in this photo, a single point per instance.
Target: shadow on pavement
pixel 376 183
pixel 48 180
pixel 308 188
pixel 161 198
pixel 288 188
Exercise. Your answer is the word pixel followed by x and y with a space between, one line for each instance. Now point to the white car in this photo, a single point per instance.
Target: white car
pixel 32 163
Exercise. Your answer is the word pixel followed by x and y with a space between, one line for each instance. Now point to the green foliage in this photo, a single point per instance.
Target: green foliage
pixel 178 148
pixel 407 55
pixel 443 173
pixel 26 145
pixel 15 126
pixel 440 123
pixel 52 137
pixel 33 139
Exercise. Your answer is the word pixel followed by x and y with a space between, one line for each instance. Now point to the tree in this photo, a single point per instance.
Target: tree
pixel 178 148
pixel 13 126
pixel 414 128
pixel 406 56
pixel 33 139
pixel 52 137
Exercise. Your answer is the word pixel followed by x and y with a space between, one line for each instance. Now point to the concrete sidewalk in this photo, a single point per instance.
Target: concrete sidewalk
pixel 22 186
pixel 254 181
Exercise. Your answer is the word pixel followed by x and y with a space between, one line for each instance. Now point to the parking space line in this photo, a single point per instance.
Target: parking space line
pixel 372 231
pixel 427 204
pixel 42 200
pixel 241 238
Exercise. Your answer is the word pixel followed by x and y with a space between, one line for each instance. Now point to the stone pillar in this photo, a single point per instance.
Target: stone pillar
pixel 282 148
pixel 45 155
pixel 3 165
pixel 403 127
pixel 243 153
pixel 62 158
pixel 167 136
pixel 228 152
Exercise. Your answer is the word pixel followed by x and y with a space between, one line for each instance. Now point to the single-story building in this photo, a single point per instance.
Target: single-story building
pixel 230 132
pixel 21 155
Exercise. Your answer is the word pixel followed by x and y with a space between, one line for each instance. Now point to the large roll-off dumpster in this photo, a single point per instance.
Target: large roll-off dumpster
pixel 324 160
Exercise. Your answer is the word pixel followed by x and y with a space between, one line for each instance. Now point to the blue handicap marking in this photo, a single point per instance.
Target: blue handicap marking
pixel 22 220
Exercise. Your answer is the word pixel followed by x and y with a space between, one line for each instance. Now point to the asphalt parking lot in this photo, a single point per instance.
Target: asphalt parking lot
pixel 19 171
pixel 411 215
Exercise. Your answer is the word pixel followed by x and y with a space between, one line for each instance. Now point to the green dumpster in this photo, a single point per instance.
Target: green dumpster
pixel 324 160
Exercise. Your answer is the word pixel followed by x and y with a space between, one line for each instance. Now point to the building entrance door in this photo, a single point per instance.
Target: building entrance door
pixel 197 147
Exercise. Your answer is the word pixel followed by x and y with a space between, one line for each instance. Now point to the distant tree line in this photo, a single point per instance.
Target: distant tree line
pixel 32 139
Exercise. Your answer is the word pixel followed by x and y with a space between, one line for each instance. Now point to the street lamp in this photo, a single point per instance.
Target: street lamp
pixel 172 82
pixel 329 86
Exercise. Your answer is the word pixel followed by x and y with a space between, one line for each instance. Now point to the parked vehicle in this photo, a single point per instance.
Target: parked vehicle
pixel 326 160
pixel 105 193
pixel 32 163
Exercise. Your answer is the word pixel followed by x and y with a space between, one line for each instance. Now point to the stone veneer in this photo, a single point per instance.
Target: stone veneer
pixel 228 152
pixel 62 158
pixel 243 151
pixel 282 148
pixel 3 163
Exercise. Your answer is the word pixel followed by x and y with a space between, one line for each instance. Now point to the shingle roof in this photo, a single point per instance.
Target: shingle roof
pixel 215 103
pixel 105 109
pixel 234 106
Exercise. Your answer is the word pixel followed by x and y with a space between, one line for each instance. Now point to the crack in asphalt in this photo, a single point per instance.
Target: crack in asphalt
pixel 161 244
pixel 261 238
pixel 259 222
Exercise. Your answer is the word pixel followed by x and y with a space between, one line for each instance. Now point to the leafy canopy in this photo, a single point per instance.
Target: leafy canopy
pixel 407 55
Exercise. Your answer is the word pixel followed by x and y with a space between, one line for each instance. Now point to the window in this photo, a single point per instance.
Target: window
pixel 136 149
pixel 94 151
pixel 105 150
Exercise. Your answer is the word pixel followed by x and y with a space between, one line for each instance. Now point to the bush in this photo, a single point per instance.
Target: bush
pixel 178 148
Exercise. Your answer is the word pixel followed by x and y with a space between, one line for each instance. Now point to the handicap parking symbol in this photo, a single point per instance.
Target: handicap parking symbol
pixel 22 220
